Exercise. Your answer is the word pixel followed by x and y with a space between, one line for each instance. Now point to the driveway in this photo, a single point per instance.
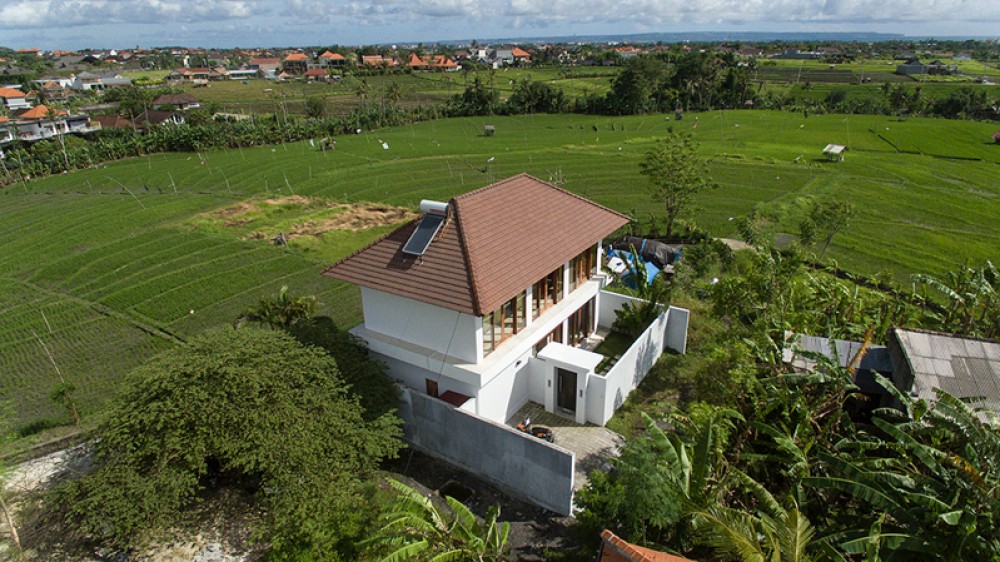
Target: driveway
pixel 591 444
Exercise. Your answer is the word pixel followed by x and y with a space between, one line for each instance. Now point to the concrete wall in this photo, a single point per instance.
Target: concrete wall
pixel 504 394
pixel 605 394
pixel 433 327
pixel 535 470
pixel 628 372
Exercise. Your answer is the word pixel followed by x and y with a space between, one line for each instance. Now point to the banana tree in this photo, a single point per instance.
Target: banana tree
pixel 415 528
pixel 927 477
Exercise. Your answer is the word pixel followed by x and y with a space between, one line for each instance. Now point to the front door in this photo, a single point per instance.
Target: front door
pixel 566 389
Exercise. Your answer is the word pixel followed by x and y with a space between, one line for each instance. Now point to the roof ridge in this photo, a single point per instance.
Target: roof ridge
pixel 553 186
pixel 470 271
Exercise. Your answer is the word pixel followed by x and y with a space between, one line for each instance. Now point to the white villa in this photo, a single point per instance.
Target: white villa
pixel 486 300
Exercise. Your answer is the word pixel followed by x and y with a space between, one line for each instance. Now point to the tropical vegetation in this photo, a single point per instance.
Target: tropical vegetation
pixel 251 405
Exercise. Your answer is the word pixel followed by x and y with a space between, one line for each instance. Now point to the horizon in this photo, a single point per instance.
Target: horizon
pixel 70 25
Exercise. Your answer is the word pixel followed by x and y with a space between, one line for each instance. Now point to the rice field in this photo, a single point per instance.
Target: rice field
pixel 121 261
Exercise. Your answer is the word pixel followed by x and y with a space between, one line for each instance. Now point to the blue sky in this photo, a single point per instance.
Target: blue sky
pixel 75 24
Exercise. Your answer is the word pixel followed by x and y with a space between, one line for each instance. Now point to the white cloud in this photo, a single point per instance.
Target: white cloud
pixel 19 14
pixel 368 21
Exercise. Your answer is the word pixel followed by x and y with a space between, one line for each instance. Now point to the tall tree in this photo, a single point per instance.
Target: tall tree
pixel 255 404
pixel 677 174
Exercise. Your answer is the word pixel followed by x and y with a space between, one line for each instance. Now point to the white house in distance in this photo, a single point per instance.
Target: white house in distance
pixel 484 301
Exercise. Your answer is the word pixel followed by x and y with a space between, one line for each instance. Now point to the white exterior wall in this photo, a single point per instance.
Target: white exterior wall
pixel 16 103
pixel 606 393
pixel 503 396
pixel 438 329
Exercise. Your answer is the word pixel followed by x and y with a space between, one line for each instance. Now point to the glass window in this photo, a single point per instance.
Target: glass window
pixel 546 292
pixel 504 322
pixel 582 267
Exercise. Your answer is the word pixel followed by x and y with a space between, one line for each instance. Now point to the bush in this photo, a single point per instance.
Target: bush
pixel 253 404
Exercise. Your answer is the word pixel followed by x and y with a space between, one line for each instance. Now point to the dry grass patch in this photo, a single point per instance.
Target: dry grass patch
pixel 299 216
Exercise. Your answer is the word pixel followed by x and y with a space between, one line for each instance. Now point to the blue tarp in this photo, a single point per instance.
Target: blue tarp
pixel 651 270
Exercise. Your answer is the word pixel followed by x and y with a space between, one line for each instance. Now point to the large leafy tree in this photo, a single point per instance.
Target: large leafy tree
pixel 253 404
pixel 294 314
pixel 677 174
pixel 280 312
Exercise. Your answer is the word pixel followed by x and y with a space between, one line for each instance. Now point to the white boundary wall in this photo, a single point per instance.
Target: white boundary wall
pixel 535 470
pixel 606 393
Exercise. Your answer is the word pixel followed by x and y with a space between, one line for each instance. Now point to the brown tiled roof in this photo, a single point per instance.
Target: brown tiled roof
pixel 498 240
pixel 112 121
pixel 39 112
pixel 316 72
pixel 297 56
pixel 614 549
pixel 332 56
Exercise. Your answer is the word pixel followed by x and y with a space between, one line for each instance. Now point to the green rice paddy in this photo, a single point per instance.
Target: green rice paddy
pixel 107 266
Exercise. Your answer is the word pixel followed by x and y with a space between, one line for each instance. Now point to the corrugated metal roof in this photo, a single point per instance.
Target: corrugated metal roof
pixel 499 240
pixel 962 367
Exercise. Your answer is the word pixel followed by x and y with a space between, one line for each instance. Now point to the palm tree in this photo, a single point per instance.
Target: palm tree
pixel 283 311
pixel 414 528
pixel 363 90
pixel 785 535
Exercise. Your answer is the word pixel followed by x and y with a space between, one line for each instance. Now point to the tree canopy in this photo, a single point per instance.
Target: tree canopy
pixel 251 403
pixel 676 175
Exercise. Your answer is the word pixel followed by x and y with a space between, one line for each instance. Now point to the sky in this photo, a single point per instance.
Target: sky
pixel 103 24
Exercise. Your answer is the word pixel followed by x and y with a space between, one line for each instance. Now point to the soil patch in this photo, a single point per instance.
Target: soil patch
pixel 357 216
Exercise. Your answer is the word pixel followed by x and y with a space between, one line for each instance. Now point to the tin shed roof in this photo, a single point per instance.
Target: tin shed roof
pixel 962 367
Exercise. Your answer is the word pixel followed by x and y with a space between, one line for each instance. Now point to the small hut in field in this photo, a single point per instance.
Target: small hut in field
pixel 834 152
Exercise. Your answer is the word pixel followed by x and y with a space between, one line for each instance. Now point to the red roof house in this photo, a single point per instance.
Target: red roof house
pixel 614 549
pixel 461 295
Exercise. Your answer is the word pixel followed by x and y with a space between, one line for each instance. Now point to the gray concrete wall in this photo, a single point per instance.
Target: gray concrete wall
pixel 534 470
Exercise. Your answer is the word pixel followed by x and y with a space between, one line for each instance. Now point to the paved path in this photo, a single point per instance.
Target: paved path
pixel 592 444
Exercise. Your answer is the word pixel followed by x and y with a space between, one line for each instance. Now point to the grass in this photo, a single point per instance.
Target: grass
pixel 612 348
pixel 118 275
